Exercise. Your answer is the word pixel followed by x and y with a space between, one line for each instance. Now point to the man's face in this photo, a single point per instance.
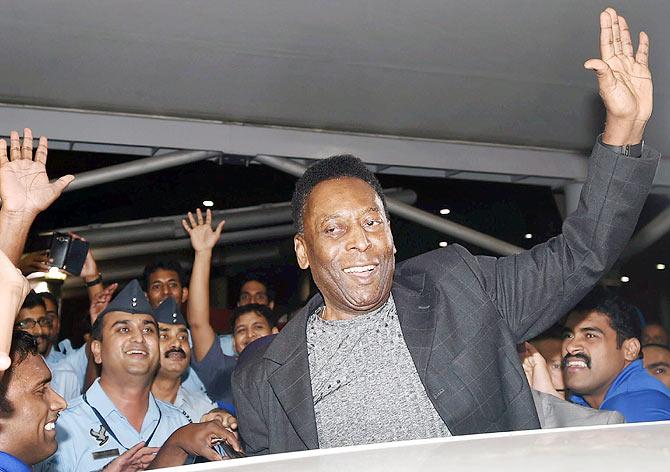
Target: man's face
pixel 35 407
pixel 163 284
pixel 654 334
pixel 657 362
pixel 174 348
pixel 254 292
pixel 591 360
pixel 249 327
pixel 52 314
pixel 129 345
pixel 34 321
pixel 551 351
pixel 348 245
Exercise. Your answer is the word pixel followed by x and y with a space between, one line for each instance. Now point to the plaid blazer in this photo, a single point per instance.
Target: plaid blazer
pixel 461 316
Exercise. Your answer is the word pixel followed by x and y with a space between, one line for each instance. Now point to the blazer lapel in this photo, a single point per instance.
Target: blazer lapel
pixel 291 380
pixel 417 318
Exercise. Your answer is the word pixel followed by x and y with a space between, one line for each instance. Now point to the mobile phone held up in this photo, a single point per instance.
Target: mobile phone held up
pixel 68 253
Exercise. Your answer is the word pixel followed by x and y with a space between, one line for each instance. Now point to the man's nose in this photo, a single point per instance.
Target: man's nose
pixel 572 346
pixel 57 403
pixel 358 238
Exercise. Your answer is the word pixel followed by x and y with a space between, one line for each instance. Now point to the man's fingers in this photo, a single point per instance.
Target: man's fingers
pixel 642 55
pixel 27 146
pixel 145 454
pixel 199 215
pixel 626 41
pixel 41 154
pixel 3 152
pixel 208 217
pixel 606 79
pixel 209 454
pixel 606 38
pixel 60 184
pixel 14 146
pixel 616 31
pixel 130 452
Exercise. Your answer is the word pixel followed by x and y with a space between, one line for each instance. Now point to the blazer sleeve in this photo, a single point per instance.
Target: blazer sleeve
pixel 533 289
pixel 253 427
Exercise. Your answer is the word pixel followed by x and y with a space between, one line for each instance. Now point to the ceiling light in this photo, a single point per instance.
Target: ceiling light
pixel 528 236
pixel 660 266
pixel 443 244
pixel 445 211
pixel 208 203
pixel 625 278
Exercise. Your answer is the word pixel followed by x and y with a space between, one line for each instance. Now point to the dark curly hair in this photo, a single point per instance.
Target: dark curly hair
pixel 623 316
pixel 335 167
pixel 23 345
pixel 171 265
pixel 261 310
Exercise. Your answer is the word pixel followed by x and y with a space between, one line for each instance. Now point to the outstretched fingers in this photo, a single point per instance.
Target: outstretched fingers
pixel 3 152
pixel 14 146
pixel 199 215
pixel 606 37
pixel 41 154
pixel 616 31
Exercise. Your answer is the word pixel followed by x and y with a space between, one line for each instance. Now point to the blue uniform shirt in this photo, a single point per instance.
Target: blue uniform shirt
pixel 84 444
pixel 64 379
pixel 635 394
pixel 9 463
pixel 195 404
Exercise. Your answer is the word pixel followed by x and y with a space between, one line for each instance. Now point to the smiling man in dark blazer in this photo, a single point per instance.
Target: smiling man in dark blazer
pixel 427 348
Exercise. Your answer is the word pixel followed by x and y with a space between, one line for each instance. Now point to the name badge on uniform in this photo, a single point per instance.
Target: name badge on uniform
pixel 105 454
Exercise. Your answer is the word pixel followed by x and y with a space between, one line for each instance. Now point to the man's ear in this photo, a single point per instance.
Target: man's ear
pixel 631 349
pixel 96 348
pixel 275 330
pixel 271 305
pixel 300 251
pixel 184 294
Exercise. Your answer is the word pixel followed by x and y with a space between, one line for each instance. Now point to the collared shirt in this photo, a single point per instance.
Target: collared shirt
pixel 84 444
pixel 9 463
pixel 635 394
pixel 64 379
pixel 194 404
pixel 78 360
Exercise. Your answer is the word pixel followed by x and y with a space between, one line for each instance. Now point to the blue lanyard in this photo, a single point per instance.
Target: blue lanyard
pixel 109 430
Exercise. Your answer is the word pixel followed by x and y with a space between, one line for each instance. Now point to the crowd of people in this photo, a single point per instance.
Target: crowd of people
pixel 446 343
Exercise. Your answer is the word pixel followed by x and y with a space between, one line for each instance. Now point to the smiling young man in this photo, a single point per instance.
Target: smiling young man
pixel 428 347
pixel 601 360
pixel 29 408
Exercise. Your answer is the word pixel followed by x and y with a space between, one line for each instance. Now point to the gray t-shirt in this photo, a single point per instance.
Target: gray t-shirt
pixel 365 385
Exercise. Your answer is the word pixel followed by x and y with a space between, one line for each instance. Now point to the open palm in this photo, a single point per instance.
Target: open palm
pixel 199 229
pixel 24 184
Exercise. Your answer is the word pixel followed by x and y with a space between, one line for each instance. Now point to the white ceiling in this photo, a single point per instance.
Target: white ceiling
pixel 503 71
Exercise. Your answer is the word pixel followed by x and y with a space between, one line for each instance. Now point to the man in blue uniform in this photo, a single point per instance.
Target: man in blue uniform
pixel 601 360
pixel 118 411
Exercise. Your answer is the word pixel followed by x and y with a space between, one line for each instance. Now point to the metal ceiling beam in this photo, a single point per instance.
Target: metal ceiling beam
pixel 138 167
pixel 414 214
pixel 397 154
pixel 169 227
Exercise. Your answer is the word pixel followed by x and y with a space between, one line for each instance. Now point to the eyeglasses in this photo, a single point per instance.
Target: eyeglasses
pixel 30 323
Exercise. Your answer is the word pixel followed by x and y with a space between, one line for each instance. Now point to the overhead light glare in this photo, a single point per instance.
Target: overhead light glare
pixel 443 244
pixel 660 266
pixel 445 211
pixel 625 278
pixel 528 236
pixel 208 203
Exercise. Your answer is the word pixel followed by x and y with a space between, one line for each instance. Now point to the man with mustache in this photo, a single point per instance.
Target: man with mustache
pixel 427 348
pixel 601 360
pixel 175 356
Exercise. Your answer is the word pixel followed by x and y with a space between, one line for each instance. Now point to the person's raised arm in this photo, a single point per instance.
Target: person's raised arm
pixel 25 190
pixel 203 240
pixel 13 291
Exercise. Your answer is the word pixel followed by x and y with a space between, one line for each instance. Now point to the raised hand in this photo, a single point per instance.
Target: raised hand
pixel 203 237
pixel 624 80
pixel 24 185
pixel 101 300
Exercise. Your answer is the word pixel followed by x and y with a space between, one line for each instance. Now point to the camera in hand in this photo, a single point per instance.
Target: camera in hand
pixel 68 253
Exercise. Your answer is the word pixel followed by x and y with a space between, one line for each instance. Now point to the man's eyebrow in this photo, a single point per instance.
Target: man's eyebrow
pixel 590 329
pixel 658 364
pixel 151 322
pixel 120 322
